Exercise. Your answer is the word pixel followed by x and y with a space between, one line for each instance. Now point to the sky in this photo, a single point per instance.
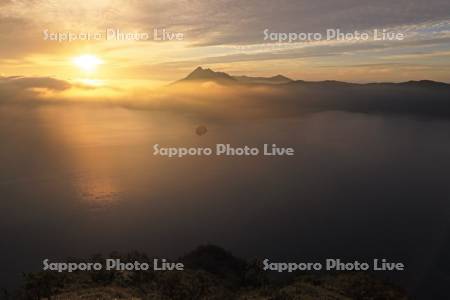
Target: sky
pixel 225 35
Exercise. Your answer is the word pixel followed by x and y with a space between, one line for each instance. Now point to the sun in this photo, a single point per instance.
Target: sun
pixel 87 62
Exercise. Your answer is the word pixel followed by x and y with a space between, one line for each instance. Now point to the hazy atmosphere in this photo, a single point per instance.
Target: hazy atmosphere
pixel 359 90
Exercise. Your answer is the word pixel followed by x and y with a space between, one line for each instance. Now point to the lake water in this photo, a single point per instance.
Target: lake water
pixel 77 180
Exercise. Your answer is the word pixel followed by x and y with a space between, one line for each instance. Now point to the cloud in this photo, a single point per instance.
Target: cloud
pixel 18 88
pixel 241 22
pixel 209 100
pixel 213 32
pixel 419 46
pixel 224 22
pixel 35 82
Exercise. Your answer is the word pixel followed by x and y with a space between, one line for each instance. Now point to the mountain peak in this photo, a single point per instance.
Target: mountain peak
pixel 207 74
pixel 281 77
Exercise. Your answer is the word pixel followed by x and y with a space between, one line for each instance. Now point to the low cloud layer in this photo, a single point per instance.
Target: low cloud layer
pixel 216 101
pixel 18 88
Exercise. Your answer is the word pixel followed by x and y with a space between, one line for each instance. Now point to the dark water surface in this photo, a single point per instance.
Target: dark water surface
pixel 77 181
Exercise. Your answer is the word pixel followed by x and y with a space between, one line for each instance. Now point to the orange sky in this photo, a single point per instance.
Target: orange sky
pixel 225 36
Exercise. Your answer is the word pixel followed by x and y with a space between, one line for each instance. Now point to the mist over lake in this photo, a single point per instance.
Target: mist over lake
pixel 79 180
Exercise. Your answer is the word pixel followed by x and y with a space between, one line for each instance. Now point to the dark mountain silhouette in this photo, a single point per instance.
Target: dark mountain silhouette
pixel 421 98
pixel 411 83
pixel 201 74
pixel 425 84
pixel 278 79
pixel 325 83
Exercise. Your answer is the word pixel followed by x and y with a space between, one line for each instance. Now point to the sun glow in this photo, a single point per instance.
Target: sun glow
pixel 87 63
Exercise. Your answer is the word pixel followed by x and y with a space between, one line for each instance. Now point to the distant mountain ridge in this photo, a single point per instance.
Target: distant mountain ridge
pixel 205 74
pixel 278 79
pixel 201 74
pixel 424 98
